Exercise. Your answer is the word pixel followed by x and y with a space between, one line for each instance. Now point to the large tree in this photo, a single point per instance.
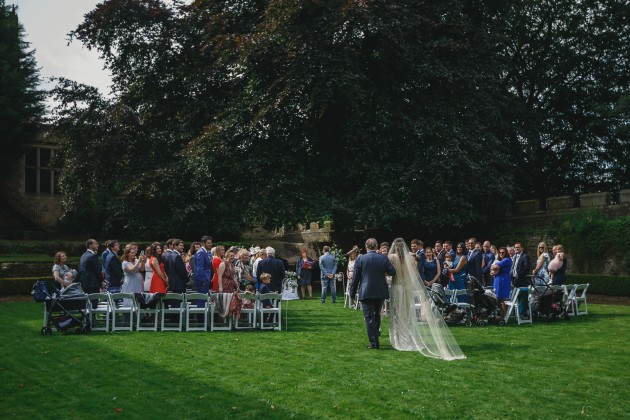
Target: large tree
pixel 21 102
pixel 281 112
pixel 566 65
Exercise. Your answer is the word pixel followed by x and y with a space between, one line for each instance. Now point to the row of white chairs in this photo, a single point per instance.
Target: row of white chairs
pixel 192 312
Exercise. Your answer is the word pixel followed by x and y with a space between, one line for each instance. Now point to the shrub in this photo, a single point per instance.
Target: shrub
pixel 20 286
pixel 602 285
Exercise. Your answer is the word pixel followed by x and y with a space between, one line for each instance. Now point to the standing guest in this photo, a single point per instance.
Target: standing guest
pixel 261 254
pixel 417 250
pixel 558 266
pixel 159 281
pixel 475 260
pixel 432 268
pixel 487 259
pixel 90 268
pixel 501 267
pixel 217 259
pixel 176 269
pixel 540 272
pixel 439 251
pixel 114 268
pixel 494 251
pixel 369 280
pixel 189 260
pixel 459 271
pixel 105 261
pixel 148 270
pixel 352 257
pixel 328 268
pixel 304 271
pixel 134 280
pixel 243 270
pixel 225 269
pixel 448 248
pixel 518 273
pixel 273 266
pixel 203 266
pixel 384 248
pixel 167 254
pixel 60 269
pixel 511 252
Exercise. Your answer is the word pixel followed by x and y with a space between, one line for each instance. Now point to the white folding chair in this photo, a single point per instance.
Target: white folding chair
pixel 193 311
pixel 568 299
pixel 248 319
pixel 178 311
pixel 512 307
pixel 450 295
pixel 101 315
pixel 274 312
pixel 152 316
pixel 218 322
pixel 580 297
pixel 125 310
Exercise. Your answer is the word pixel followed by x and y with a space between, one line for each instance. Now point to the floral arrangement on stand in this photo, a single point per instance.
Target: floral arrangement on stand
pixel 291 279
pixel 340 256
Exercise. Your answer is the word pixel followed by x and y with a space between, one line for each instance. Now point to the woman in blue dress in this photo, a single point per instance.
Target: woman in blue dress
pixel 459 271
pixel 432 268
pixel 501 271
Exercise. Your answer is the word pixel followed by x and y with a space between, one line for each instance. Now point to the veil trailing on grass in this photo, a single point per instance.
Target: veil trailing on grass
pixel 416 324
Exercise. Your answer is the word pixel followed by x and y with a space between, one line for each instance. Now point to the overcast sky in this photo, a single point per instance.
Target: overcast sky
pixel 46 24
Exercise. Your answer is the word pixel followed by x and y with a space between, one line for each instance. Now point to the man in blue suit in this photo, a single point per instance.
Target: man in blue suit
pixel 475 258
pixel 369 275
pixel 328 268
pixel 203 266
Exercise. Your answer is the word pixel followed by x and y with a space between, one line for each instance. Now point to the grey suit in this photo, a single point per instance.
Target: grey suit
pixel 369 277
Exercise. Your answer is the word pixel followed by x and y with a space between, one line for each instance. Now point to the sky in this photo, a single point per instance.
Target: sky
pixel 46 25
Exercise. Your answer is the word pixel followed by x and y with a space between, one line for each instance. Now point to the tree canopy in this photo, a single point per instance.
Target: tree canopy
pixel 21 102
pixel 418 113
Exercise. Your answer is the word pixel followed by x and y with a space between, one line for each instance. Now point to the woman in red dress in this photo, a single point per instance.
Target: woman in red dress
pixel 159 281
pixel 226 273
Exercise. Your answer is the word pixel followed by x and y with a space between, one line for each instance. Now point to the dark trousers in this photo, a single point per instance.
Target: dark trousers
pixel 372 314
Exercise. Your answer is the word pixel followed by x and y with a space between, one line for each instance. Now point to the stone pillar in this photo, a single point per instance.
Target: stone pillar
pixel 559 203
pixel 600 199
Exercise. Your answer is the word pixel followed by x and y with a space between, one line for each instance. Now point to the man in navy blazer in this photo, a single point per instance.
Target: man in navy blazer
pixel 273 266
pixel 475 259
pixel 369 277
pixel 203 266
pixel 90 268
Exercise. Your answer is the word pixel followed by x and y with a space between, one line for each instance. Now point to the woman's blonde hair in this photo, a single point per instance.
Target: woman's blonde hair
pixel 544 245
pixel 58 255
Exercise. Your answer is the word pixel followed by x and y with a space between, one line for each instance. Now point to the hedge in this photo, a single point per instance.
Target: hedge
pixel 20 286
pixel 601 284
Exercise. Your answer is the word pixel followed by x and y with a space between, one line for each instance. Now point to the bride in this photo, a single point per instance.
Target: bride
pixel 415 324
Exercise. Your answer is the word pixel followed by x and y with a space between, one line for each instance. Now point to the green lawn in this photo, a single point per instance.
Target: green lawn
pixel 318 368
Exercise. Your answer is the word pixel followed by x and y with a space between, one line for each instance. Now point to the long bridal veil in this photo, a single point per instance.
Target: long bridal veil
pixel 416 324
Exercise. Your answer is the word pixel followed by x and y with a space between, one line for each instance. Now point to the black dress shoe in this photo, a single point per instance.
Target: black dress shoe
pixel 372 347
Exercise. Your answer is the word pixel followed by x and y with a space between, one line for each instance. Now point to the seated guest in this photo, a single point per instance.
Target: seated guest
pixel 250 289
pixel 265 279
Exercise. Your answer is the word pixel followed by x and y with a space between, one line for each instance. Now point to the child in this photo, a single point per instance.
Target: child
pixel 265 279
pixel 250 289
pixel 448 263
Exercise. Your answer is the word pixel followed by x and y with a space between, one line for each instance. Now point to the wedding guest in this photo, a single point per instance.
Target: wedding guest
pixel 114 268
pixel 352 257
pixel 134 281
pixel 431 268
pixel 448 248
pixel 486 263
pixel 225 269
pixel 439 251
pixel 217 259
pixel 260 255
pixel 159 281
pixel 105 261
pixel 244 270
pixel 540 272
pixel 474 259
pixel 60 269
pixel 189 259
pixel 459 270
pixel 384 248
pixel 501 268
pixel 274 267
pixel 304 271
pixel 328 267
pixel 558 266
pixel 417 249
pixel 248 303
pixel 148 270
pixel 520 269
pixel 90 269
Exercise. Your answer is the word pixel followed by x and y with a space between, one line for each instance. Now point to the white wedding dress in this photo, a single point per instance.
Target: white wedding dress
pixel 415 324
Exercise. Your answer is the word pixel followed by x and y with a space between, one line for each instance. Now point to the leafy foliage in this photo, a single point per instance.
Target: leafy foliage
pixel 21 105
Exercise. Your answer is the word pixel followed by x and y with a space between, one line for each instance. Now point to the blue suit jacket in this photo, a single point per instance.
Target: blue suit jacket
pixel 327 265
pixel 203 270
pixel 176 272
pixel 90 271
pixel 474 264
pixel 369 274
